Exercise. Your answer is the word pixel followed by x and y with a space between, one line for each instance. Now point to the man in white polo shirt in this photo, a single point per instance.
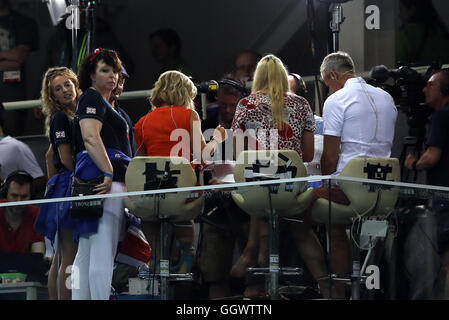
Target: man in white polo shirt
pixel 359 121
pixel 16 155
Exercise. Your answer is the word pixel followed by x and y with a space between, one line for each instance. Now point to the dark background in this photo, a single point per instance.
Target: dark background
pixel 213 32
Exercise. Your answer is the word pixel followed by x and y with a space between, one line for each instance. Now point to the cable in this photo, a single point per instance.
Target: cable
pixel 82 52
pixel 373 106
pixel 172 119
pixel 359 217
pixel 362 270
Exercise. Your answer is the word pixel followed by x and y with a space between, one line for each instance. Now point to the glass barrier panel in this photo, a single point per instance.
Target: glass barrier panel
pixel 397 231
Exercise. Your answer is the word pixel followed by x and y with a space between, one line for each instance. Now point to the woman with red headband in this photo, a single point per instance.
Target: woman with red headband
pixel 103 150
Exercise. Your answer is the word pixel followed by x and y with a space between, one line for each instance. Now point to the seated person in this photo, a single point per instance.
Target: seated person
pixel 359 121
pixel 173 128
pixel 264 109
pixel 224 224
pixel 16 155
pixel 245 65
pixel 17 232
pixel 297 85
pixel 230 91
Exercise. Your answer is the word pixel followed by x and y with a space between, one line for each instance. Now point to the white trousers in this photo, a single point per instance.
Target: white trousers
pixel 94 261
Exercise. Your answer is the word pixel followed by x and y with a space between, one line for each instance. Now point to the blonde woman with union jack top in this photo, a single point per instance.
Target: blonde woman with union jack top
pixel 60 93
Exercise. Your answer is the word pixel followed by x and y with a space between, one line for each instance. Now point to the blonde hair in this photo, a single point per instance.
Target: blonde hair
pixel 173 88
pixel 49 105
pixel 271 77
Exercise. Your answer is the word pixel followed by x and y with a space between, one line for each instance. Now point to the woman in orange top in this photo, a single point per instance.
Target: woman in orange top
pixel 173 128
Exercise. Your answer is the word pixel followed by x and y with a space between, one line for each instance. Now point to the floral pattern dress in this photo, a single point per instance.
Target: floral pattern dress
pixel 253 117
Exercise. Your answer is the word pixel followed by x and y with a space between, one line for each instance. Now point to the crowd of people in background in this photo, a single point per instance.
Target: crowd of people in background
pixel 91 137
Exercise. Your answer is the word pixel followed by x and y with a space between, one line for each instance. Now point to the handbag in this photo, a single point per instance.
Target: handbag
pixel 86 209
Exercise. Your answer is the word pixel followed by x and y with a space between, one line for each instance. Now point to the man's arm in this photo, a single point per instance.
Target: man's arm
pixel 38 247
pixel 330 155
pixel 429 159
pixel 307 145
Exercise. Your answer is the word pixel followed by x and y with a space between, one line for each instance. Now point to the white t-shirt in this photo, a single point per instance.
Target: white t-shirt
pixel 314 167
pixel 350 113
pixel 16 155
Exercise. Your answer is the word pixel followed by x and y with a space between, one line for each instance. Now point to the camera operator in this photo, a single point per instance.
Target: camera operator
pixel 225 223
pixel 436 157
pixel 437 154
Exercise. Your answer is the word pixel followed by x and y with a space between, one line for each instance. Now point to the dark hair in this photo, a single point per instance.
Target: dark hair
pixel 170 38
pixel 230 86
pixel 301 88
pixel 90 62
pixel 20 177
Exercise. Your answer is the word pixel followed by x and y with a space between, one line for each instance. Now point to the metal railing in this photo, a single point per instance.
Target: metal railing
pixel 29 104
pixel 142 94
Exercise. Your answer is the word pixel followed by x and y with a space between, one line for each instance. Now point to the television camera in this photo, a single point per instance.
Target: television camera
pixel 405 85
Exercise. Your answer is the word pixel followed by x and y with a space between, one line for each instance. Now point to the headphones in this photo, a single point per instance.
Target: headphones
pixel 300 89
pixel 13 176
pixel 235 84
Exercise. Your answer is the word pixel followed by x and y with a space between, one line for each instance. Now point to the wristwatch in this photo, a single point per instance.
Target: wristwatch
pixel 414 165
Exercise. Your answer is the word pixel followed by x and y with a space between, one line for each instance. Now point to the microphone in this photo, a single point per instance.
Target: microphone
pixel 380 73
pixel 207 86
pixel 336 14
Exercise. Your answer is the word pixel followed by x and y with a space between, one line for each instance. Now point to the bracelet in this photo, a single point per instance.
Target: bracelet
pixel 414 165
pixel 109 175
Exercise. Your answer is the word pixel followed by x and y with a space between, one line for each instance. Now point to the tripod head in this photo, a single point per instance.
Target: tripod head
pixel 336 19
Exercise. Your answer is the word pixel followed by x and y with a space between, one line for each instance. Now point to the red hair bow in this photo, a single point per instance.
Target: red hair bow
pixel 96 52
